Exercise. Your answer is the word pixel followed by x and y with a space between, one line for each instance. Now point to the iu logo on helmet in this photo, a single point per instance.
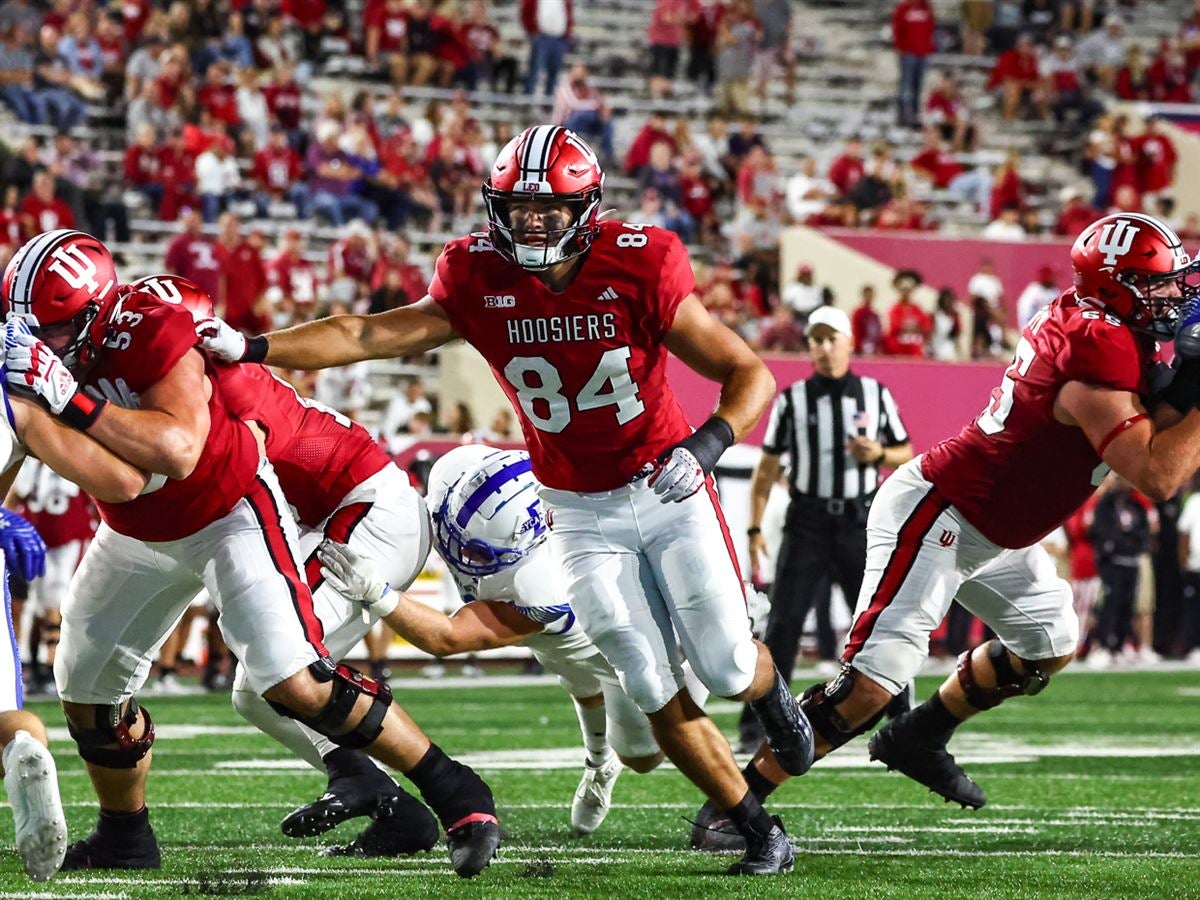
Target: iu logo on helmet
pixel 1116 239
pixel 947 539
pixel 75 268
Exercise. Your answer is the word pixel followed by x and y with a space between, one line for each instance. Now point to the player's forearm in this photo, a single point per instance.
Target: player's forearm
pixel 151 440
pixel 766 473
pixel 746 392
pixel 336 341
pixel 1171 457
pixel 440 635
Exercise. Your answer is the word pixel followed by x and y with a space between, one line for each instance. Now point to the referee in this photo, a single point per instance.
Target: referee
pixel 838 429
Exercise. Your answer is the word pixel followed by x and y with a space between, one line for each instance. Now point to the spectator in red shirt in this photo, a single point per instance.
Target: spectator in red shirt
pixel 218 96
pixel 946 109
pixel 1168 75
pixel 940 165
pixel 665 34
pixel 549 24
pixel 652 132
pixel 386 27
pixel 1133 80
pixel 283 100
pixel 580 106
pixel 1007 187
pixel 1156 157
pixel 245 276
pixel 12 231
pixel 307 16
pixel 1075 214
pixel 866 324
pixel 142 166
pixel 908 324
pixel 1126 199
pixel 1016 75
pixel 393 260
pixel 696 196
pixel 912 36
pixel 292 273
pixel 177 169
pixel 280 175
pixel 483 37
pixel 194 256
pixel 350 263
pixel 848 169
pixel 42 210
pixel 1065 88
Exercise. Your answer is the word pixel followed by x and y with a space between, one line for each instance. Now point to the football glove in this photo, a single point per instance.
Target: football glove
pixel 224 342
pixel 1187 330
pixel 354 577
pixel 682 469
pixel 32 369
pixel 23 548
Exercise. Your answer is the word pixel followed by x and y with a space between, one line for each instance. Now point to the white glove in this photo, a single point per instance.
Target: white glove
pixel 354 577
pixel 32 368
pixel 221 340
pixel 677 477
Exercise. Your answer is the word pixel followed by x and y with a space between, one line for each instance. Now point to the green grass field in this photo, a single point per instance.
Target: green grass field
pixel 1094 791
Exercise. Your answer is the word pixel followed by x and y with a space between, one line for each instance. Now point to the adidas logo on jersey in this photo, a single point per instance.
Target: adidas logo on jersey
pixel 607 294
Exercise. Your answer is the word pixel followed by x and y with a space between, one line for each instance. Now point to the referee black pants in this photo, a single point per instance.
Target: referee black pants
pixel 819 549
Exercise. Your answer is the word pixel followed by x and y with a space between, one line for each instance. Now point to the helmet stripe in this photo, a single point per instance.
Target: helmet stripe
pixel 1171 237
pixel 535 159
pixel 494 482
pixel 33 255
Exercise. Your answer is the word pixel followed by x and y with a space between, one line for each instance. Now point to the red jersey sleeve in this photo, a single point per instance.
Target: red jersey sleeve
pixel 449 275
pixel 1099 352
pixel 675 281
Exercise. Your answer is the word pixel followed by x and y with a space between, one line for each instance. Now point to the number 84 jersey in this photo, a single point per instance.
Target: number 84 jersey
pixel 585 368
pixel 1016 473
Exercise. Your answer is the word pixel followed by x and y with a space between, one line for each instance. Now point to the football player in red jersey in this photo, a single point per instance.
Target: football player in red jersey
pixel 341 485
pixel 576 317
pixel 964 520
pixel 215 518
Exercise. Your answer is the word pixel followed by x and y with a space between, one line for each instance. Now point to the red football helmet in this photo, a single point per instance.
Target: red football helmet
pixel 176 289
pixel 543 197
pixel 1136 266
pixel 66 279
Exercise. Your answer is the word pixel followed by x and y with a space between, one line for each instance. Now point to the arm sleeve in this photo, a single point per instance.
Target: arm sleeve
pixel 675 281
pixel 891 429
pixel 780 424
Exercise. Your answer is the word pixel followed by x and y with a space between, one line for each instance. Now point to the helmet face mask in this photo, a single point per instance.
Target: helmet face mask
pixel 69 339
pixel 1160 297
pixel 543 198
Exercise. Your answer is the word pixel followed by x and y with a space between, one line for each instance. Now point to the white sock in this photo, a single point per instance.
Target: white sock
pixel 593 725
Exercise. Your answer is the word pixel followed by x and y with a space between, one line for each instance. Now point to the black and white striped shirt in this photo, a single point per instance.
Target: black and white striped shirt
pixel 811 423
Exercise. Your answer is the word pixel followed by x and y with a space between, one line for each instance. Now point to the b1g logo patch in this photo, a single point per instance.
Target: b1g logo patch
pixel 499 301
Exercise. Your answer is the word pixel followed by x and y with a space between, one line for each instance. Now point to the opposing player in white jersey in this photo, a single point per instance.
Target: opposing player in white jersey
pixel 29 772
pixel 576 318
pixel 490 527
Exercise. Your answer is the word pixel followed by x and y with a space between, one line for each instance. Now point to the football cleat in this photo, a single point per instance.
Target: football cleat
pixel 344 798
pixel 926 762
pixel 714 832
pixel 770 855
pixel 97 851
pixel 473 843
pixel 402 826
pixel 32 784
pixel 593 797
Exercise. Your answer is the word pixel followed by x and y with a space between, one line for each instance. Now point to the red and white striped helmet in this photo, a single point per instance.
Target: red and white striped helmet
pixel 176 289
pixel 66 279
pixel 542 168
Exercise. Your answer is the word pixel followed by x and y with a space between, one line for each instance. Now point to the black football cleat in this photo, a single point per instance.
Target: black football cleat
pixel 770 855
pixel 713 832
pixel 344 798
pixel 926 762
pixel 789 734
pixel 401 826
pixel 97 851
pixel 473 843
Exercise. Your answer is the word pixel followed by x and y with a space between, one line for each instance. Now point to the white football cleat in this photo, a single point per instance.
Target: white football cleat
pixel 593 797
pixel 32 784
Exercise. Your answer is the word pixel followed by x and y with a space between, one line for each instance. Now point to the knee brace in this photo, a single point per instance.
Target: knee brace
pixel 819 702
pixel 1009 682
pixel 110 728
pixel 347 686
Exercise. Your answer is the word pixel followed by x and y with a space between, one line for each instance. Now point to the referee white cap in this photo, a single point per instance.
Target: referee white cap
pixel 832 317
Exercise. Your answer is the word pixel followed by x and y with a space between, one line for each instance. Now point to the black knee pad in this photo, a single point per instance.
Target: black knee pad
pixel 1009 682
pixel 819 702
pixel 94 744
pixel 347 686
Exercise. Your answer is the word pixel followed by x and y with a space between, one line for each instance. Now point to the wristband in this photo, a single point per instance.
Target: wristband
pixel 256 349
pixel 753 531
pixel 81 411
pixel 707 443
pixel 1119 429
